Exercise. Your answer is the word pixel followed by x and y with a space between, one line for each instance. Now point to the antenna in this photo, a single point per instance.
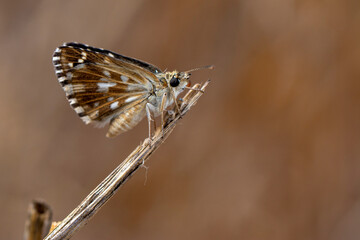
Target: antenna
pixel 204 67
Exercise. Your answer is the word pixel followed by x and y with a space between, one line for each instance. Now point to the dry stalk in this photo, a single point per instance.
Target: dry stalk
pixel 107 188
pixel 38 222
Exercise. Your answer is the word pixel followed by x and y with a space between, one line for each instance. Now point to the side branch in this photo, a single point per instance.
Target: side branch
pixel 38 221
pixel 107 188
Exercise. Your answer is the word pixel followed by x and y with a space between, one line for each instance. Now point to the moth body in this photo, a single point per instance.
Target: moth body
pixel 104 87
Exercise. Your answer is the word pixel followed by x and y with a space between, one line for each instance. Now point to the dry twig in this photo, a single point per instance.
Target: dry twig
pixel 107 188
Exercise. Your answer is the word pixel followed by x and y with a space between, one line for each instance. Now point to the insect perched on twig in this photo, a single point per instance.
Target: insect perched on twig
pixel 105 87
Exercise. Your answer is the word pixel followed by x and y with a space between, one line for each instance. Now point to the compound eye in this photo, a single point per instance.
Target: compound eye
pixel 174 82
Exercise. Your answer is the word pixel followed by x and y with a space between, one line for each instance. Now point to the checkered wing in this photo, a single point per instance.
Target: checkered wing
pixel 101 85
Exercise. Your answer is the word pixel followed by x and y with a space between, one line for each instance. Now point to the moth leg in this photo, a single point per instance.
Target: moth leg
pixel 176 103
pixel 150 119
pixel 162 106
pixel 195 89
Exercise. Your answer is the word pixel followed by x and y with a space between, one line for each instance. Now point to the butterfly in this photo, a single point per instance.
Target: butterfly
pixel 104 87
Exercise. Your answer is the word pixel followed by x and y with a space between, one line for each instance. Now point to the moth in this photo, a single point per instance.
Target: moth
pixel 104 87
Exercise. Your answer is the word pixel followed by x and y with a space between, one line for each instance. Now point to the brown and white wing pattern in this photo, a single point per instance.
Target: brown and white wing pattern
pixel 103 86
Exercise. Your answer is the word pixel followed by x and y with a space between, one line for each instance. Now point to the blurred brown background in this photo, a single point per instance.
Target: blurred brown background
pixel 271 151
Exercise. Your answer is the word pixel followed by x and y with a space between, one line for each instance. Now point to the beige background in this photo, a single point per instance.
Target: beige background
pixel 271 151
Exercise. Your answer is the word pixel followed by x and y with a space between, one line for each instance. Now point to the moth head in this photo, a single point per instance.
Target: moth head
pixel 179 80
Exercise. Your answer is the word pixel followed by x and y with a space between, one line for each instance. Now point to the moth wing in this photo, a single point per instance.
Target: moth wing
pixel 99 84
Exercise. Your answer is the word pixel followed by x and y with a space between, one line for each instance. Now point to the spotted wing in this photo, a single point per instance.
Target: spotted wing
pixel 99 84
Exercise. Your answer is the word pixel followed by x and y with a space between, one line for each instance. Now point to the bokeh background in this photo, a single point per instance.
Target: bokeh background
pixel 271 151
